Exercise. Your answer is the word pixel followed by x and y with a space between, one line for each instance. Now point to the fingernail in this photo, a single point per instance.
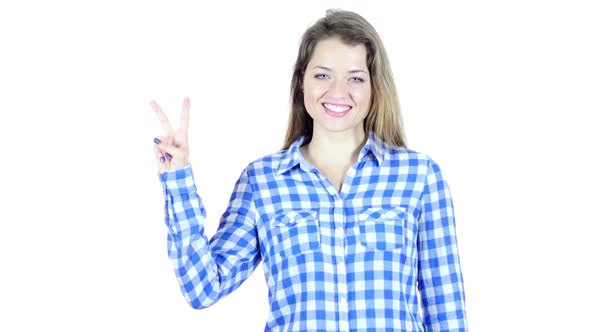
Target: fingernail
pixel 157 140
pixel 162 159
pixel 168 155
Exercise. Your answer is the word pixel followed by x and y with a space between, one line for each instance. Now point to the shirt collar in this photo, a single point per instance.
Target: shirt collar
pixel 292 156
pixel 374 146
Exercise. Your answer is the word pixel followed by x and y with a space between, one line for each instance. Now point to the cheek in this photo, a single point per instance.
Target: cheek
pixel 307 100
pixel 310 94
pixel 306 95
pixel 362 97
pixel 309 89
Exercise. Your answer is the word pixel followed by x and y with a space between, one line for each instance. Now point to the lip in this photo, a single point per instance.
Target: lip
pixel 333 113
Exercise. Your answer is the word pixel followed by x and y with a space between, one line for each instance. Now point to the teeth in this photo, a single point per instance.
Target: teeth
pixel 337 108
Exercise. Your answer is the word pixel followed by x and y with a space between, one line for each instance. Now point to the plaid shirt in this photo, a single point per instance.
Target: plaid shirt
pixel 380 255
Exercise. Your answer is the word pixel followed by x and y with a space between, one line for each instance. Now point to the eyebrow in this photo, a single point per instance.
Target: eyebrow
pixel 350 71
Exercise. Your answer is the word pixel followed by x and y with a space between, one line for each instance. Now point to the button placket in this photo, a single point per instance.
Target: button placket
pixel 340 252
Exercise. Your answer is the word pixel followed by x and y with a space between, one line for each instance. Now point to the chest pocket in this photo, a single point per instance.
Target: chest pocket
pixel 382 228
pixel 296 232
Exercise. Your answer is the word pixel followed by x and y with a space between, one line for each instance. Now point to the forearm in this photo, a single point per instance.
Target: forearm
pixel 189 251
pixel 441 287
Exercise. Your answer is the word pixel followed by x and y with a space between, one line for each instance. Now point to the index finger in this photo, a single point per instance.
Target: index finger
pixel 163 118
pixel 184 115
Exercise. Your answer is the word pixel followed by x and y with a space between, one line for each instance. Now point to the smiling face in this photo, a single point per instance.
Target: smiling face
pixel 337 87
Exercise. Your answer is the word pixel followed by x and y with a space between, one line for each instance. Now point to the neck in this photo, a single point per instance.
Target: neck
pixel 336 148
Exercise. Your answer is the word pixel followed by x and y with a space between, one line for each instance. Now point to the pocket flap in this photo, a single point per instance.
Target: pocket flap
pixel 289 218
pixel 382 214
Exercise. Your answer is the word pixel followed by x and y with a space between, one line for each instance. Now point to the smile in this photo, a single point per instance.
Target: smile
pixel 336 109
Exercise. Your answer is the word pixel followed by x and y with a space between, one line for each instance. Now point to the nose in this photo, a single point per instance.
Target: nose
pixel 338 89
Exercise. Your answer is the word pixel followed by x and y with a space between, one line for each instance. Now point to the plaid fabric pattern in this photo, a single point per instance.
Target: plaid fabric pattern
pixel 380 255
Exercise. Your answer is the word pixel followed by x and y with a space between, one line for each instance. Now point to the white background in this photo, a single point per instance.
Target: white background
pixel 496 92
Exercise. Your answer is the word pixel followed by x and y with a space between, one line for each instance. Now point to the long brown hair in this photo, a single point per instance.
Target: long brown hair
pixel 384 118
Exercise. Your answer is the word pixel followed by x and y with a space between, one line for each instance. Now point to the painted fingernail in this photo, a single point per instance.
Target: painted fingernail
pixel 157 140
pixel 168 155
pixel 162 159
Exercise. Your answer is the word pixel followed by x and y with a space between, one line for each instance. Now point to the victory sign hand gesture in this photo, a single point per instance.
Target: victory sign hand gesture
pixel 172 150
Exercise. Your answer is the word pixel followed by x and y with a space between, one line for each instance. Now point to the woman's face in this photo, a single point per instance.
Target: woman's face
pixel 337 87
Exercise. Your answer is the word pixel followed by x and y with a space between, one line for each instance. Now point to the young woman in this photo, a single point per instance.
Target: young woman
pixel 355 231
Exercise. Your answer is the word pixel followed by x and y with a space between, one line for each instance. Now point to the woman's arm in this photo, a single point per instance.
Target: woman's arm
pixel 440 281
pixel 208 270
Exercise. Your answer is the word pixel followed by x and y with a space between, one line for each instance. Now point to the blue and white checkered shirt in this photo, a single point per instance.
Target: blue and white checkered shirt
pixel 380 255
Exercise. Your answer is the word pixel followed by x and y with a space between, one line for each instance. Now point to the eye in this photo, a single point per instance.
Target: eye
pixel 321 76
pixel 357 79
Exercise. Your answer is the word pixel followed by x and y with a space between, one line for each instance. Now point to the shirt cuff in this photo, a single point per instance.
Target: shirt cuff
pixel 179 181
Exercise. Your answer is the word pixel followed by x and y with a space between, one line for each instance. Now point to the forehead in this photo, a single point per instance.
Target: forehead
pixel 333 52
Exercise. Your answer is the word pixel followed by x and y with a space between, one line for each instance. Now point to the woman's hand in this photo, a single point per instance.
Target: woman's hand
pixel 172 150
